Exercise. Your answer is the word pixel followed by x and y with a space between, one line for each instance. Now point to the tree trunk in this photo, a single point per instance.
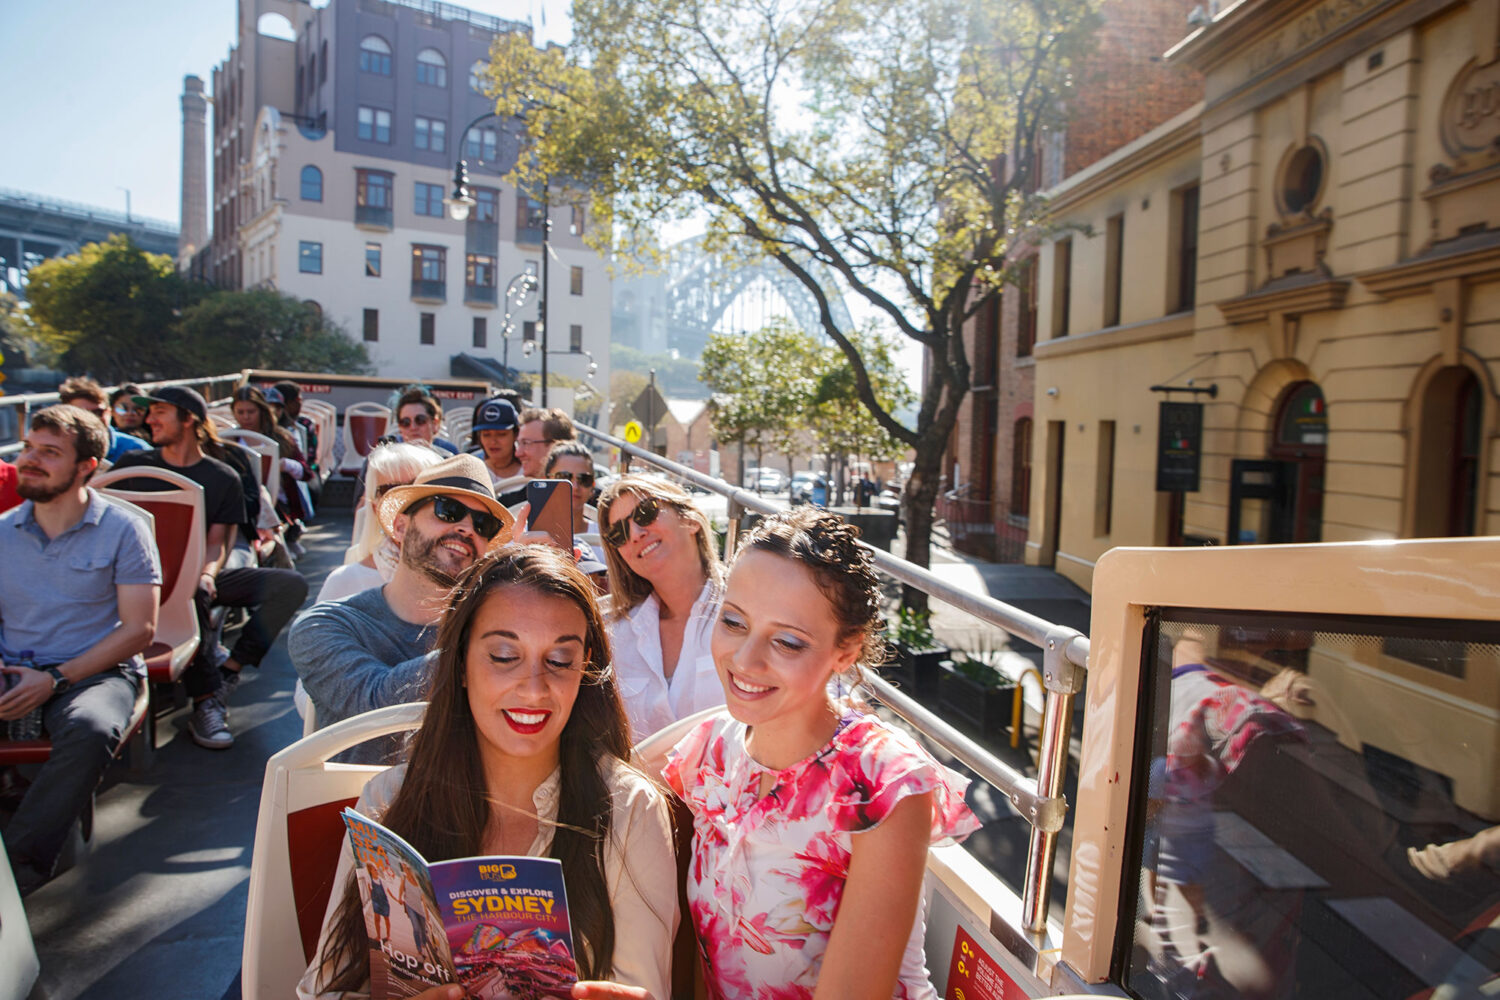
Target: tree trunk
pixel 918 498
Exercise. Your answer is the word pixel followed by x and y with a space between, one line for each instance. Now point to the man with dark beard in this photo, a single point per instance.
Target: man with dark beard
pixel 373 649
pixel 79 590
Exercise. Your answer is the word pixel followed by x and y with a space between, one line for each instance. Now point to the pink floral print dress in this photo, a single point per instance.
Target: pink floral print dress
pixel 767 872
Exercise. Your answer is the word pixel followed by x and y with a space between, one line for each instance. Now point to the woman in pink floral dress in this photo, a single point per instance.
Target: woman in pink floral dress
pixel 811 819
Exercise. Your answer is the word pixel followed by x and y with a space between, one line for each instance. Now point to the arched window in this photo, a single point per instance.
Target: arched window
pixel 432 68
pixel 478 76
pixel 375 55
pixel 1020 469
pixel 312 183
pixel 315 309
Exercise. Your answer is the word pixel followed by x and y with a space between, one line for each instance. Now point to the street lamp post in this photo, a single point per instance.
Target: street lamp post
pixel 461 202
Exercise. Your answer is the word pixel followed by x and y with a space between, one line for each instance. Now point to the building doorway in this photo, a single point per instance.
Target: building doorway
pixel 1448 452
pixel 1280 499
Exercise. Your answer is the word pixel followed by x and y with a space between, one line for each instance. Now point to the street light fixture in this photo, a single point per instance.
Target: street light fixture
pixel 461 202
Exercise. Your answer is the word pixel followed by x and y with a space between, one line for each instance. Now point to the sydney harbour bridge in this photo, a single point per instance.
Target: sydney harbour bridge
pixel 700 293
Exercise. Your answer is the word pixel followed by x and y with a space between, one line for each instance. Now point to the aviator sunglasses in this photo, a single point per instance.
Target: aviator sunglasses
pixel 618 533
pixel 584 479
pixel 420 420
pixel 450 510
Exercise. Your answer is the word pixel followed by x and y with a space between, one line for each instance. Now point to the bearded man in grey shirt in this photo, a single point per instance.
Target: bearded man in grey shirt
pixel 374 649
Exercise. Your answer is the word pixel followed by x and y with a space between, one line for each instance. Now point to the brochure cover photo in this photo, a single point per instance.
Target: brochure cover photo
pixel 496 926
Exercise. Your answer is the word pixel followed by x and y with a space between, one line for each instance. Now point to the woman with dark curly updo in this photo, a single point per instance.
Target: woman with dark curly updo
pixel 811 818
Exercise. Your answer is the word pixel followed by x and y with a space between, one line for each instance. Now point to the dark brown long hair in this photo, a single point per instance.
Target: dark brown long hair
pixel 442 806
pixel 268 425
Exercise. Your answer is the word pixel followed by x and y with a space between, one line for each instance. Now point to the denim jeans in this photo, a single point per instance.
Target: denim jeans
pixel 273 595
pixel 86 724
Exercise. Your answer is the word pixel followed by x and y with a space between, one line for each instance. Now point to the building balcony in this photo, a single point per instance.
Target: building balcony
pixel 371 217
pixel 475 295
pixel 530 235
pixel 429 291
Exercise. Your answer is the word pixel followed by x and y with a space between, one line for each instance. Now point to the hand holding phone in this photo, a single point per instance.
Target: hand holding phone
pixel 551 510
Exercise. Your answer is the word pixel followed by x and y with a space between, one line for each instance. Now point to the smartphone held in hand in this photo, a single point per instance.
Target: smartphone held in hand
pixel 551 510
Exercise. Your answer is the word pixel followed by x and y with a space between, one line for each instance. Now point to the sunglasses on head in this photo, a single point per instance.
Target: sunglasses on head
pixel 420 420
pixel 451 510
pixel 618 533
pixel 584 479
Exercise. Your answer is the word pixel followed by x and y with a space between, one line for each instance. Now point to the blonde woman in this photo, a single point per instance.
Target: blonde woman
pixel 665 584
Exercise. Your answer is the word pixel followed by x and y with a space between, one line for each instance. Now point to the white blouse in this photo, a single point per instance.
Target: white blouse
pixel 651 700
pixel 639 864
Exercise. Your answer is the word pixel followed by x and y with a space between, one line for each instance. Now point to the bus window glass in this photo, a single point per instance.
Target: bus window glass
pixel 1321 803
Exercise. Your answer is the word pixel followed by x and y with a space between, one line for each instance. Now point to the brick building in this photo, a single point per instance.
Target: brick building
pixel 1127 90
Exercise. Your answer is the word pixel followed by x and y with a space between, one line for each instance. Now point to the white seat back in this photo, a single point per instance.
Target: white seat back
pixel 180 527
pixel 19 967
pixel 364 424
pixel 301 802
pixel 266 452
pixel 458 424
pixel 325 421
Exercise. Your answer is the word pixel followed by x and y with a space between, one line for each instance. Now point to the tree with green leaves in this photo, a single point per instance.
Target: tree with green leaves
pixel 763 385
pixel 839 421
pixel 891 142
pixel 118 313
pixel 109 310
pixel 262 328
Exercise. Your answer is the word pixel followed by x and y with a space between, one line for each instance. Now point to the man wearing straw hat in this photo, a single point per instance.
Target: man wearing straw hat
pixel 371 649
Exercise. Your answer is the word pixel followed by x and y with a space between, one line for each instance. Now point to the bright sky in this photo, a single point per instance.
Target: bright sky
pixel 94 87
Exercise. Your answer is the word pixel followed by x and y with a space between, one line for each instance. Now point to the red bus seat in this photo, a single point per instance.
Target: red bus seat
pixel 364 424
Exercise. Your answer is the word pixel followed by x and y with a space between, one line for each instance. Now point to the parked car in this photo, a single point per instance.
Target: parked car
pixel 769 480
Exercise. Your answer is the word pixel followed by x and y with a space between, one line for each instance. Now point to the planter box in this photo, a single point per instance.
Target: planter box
pixel 915 671
pixel 987 709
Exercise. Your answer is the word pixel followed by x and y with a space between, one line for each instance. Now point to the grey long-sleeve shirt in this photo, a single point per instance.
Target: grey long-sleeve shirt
pixel 355 655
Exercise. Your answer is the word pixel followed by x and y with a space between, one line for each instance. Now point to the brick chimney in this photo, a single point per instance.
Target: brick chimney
pixel 194 226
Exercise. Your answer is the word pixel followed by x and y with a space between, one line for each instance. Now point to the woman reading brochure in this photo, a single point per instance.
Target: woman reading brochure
pixel 524 751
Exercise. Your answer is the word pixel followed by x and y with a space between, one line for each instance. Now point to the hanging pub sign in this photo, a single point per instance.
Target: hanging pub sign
pixel 1179 447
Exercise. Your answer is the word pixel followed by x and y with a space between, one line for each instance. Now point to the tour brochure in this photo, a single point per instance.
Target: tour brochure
pixel 498 927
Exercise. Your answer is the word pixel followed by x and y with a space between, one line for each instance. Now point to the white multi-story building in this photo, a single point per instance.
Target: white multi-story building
pixel 334 192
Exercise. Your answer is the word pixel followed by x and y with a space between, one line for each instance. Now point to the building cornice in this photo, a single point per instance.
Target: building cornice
pixel 1167 139
pixel 1466 257
pixel 1292 295
pixel 1162 328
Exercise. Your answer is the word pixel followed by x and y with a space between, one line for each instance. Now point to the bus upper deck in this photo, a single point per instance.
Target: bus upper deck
pixel 1286 776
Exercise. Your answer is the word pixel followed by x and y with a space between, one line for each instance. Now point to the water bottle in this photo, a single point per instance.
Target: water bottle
pixel 28 726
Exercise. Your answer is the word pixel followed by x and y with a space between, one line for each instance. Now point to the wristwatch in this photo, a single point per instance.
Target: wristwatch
pixel 60 683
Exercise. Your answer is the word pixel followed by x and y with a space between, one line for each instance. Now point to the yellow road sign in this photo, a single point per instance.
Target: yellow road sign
pixel 633 431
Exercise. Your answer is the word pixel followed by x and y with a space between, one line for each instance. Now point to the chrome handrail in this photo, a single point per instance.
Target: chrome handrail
pixel 1064 658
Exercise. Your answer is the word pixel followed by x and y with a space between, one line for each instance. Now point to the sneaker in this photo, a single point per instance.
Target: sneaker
pixel 229 681
pixel 209 726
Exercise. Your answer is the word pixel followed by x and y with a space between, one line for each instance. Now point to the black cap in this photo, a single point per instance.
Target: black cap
pixel 179 396
pixel 495 414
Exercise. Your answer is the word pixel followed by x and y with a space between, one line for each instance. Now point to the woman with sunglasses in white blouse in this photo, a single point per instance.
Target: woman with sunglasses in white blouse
pixel 666 583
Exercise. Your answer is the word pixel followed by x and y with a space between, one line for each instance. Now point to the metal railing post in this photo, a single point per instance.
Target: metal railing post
pixel 1062 679
pixel 732 530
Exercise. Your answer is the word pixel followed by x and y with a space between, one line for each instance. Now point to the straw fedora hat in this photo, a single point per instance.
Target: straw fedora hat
pixel 463 476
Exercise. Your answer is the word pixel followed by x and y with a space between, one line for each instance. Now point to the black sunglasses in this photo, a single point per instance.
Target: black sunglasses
pixel 420 420
pixel 451 510
pixel 618 533
pixel 584 479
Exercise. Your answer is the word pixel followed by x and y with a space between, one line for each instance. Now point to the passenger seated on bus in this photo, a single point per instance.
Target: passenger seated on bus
pixel 371 649
pixel 540 430
pixel 493 438
pixel 525 750
pixel 665 585
pixel 80 584
pixel 178 418
pixel 372 559
pixel 811 817
pixel 572 460
pixel 289 415
pixel 252 411
pixel 88 395
pixel 8 496
pixel 419 418
pixel 127 416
